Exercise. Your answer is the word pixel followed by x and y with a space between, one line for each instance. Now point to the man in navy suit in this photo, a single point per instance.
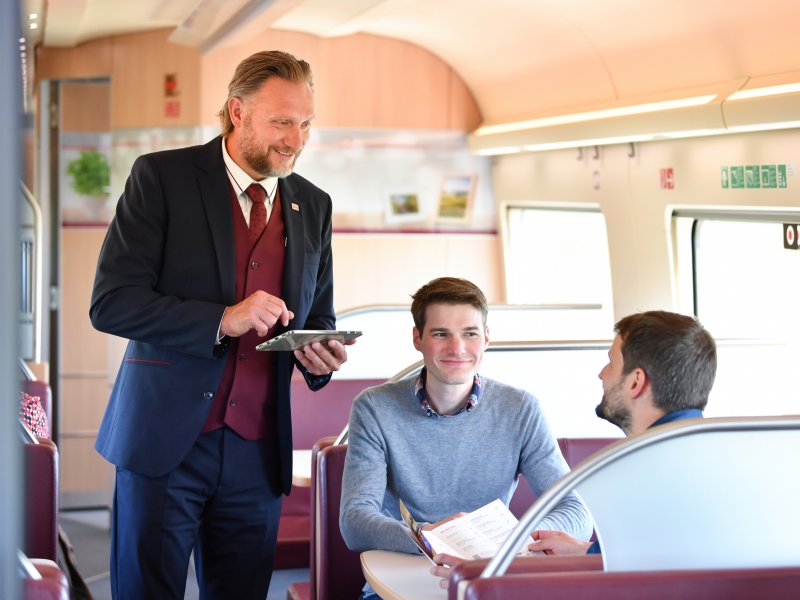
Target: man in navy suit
pixel 213 249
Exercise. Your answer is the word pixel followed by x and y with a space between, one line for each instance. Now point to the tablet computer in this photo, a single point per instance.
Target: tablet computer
pixel 297 338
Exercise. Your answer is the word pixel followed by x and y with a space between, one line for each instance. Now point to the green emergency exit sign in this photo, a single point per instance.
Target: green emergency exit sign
pixel 753 177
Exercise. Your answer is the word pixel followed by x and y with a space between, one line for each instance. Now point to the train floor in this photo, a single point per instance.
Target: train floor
pixel 88 530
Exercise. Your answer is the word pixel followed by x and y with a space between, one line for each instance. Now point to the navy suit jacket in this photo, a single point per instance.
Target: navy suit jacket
pixel 165 274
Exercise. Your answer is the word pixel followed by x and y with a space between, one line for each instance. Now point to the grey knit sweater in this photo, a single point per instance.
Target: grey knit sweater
pixel 440 466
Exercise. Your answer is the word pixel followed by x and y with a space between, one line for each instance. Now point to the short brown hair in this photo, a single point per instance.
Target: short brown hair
pixel 446 290
pixel 254 70
pixel 677 354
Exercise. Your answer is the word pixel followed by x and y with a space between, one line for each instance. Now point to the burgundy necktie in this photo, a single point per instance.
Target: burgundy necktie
pixel 258 212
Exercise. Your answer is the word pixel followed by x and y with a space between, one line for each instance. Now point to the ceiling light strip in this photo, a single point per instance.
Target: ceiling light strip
pixel 773 90
pixel 593 115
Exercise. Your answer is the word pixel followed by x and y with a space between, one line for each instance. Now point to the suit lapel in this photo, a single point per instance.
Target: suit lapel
pixel 292 211
pixel 214 192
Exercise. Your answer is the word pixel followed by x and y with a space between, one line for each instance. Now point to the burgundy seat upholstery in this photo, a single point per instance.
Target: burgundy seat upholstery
pixel 522 499
pixel 324 412
pixel 527 564
pixel 576 450
pixel 314 415
pixel 300 590
pixel 338 568
pixel 51 583
pixel 305 590
pixel 723 584
pixel 41 499
pixel 292 550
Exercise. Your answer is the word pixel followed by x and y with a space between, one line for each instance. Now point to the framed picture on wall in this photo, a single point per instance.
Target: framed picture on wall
pixel 402 208
pixel 455 198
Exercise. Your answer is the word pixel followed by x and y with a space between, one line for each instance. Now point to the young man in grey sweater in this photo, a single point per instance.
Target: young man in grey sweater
pixel 448 441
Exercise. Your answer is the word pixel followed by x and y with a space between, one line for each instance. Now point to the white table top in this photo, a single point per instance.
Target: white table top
pixel 301 468
pixel 400 576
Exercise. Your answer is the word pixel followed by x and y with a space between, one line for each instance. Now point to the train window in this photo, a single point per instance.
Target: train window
pixel 556 256
pixel 735 275
pixel 746 283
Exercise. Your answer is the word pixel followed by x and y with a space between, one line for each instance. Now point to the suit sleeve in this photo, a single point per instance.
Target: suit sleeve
pixel 131 297
pixel 321 314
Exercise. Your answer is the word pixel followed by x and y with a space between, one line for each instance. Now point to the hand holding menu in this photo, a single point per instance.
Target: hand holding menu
pixel 478 534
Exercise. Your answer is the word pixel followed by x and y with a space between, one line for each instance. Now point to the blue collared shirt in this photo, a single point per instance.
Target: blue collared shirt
pixel 419 392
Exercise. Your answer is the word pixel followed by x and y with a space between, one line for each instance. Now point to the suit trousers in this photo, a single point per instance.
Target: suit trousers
pixel 223 501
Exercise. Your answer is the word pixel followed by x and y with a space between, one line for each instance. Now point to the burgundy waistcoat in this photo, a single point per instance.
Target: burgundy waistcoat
pixel 246 398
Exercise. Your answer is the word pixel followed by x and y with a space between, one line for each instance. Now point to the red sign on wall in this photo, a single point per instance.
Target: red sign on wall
pixel 171 85
pixel 172 108
pixel 790 234
pixel 667 179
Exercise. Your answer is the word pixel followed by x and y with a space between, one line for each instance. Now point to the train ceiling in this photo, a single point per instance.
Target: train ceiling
pixel 522 59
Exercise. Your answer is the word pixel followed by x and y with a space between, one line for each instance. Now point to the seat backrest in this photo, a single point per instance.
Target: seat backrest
pixel 324 412
pixel 727 584
pixel 524 564
pixel 44 580
pixel 575 450
pixel 338 568
pixel 41 499
pixel 312 562
pixel 698 480
pixel 522 499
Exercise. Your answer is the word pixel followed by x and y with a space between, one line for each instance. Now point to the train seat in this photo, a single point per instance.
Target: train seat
pixel 471 569
pixel 668 505
pixel 302 590
pixel 335 567
pixel 292 549
pixel 41 498
pixel 576 450
pixel 314 415
pixel 338 569
pixel 714 584
pixel 324 412
pixel 43 579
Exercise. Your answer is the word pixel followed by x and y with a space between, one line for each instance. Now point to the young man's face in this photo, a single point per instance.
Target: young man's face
pixel 452 343
pixel 614 406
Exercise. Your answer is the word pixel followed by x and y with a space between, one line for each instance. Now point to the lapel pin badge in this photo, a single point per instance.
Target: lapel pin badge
pixel 295 207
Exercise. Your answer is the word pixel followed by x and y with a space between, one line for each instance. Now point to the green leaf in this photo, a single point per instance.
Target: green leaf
pixel 90 173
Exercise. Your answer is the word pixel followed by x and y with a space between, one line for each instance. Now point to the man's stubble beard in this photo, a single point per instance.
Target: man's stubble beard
pixel 614 413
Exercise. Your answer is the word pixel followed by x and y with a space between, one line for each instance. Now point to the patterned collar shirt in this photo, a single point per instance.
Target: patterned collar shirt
pixel 419 391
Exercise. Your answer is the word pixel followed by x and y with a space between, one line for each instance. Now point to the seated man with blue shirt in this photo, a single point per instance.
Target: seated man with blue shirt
pixel 450 440
pixel 660 369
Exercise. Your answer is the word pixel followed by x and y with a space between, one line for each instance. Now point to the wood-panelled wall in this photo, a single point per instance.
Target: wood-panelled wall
pixel 85 107
pixel 86 478
pixel 360 80
pixel 137 65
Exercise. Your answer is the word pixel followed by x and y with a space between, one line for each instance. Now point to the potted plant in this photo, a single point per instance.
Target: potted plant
pixel 90 177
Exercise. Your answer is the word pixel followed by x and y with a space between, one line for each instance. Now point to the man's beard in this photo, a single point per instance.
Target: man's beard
pixel 258 159
pixel 614 412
